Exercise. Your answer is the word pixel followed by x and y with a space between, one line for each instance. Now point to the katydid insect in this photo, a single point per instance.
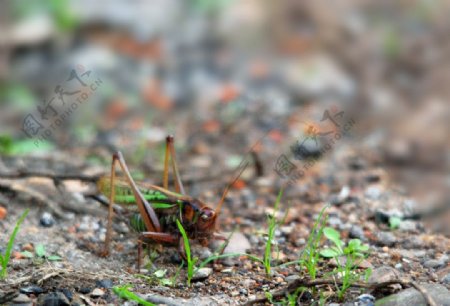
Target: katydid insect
pixel 159 208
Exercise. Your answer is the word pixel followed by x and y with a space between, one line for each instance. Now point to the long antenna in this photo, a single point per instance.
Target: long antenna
pixel 222 199
pixel 242 166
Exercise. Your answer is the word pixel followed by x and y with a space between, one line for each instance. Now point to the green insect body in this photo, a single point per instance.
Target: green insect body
pixel 168 209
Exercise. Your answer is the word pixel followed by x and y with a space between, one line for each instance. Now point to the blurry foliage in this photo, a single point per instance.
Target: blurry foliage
pixel 210 5
pixel 59 10
pixel 21 96
pixel 8 146
pixel 392 45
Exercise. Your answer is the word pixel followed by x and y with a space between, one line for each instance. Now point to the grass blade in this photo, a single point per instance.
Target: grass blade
pixel 124 293
pixel 6 257
pixel 187 247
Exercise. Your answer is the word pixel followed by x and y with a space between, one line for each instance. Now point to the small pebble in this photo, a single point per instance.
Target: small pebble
pixel 432 263
pixel 47 220
pixel 365 300
pixel 300 242
pixel 202 274
pixel 386 239
pixel 292 278
pixel 228 271
pixel 357 232
pixel 85 290
pixel 97 292
pixel 407 226
pixel 279 280
pixel 205 253
pixel 67 293
pixel 383 274
pixel 104 283
pixel 21 299
pixel 199 284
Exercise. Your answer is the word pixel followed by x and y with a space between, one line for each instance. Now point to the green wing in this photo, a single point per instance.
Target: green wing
pixel 124 195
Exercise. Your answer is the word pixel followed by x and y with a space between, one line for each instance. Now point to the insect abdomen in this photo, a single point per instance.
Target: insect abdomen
pixel 137 223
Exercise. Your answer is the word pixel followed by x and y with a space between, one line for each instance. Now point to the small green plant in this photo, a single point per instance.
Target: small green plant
pixel 354 246
pixel 347 259
pixel 4 259
pixel 191 269
pixel 190 261
pixel 394 222
pixel 310 256
pixel 40 253
pixel 159 277
pixel 273 223
pixel 289 300
pixel 124 293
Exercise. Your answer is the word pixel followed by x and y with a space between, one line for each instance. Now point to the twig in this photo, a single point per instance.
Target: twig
pixel 47 276
pixel 305 283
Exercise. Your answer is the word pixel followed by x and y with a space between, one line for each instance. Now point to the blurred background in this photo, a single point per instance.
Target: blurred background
pixel 80 79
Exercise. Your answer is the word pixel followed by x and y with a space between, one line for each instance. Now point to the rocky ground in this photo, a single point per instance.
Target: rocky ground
pixel 66 219
pixel 342 105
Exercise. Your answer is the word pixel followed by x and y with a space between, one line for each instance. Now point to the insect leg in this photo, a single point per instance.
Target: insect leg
pixel 106 248
pixel 178 184
pixel 166 164
pixel 148 214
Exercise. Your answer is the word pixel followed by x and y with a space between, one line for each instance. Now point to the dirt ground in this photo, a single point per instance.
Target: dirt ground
pixel 342 105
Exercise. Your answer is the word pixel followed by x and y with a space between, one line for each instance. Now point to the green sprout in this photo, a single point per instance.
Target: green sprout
pixel 273 223
pixel 191 269
pixel 124 293
pixel 352 254
pixel 40 254
pixel 311 255
pixel 4 259
pixel 394 222
pixel 190 261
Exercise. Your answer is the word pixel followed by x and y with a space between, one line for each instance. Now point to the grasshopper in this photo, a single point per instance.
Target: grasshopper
pixel 159 208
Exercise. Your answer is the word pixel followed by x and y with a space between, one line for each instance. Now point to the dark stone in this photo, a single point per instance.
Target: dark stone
pixel 306 297
pixel 47 220
pixel 386 239
pixel 31 290
pixel 85 290
pixel 373 178
pixel 365 300
pixel 104 283
pixel 67 293
pixel 53 299
pixel 309 148
pixel 357 232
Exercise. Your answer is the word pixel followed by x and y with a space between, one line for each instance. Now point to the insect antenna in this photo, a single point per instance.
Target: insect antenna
pixel 242 166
